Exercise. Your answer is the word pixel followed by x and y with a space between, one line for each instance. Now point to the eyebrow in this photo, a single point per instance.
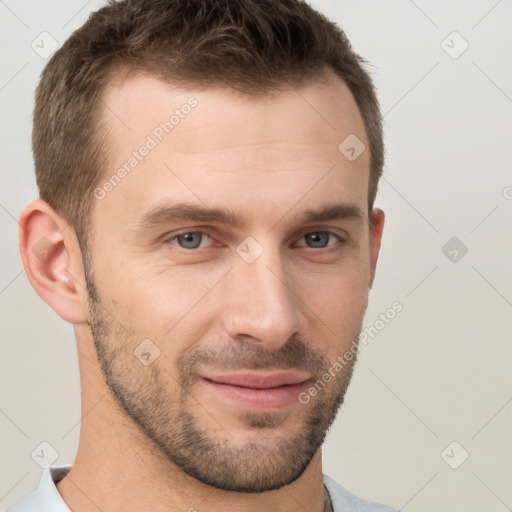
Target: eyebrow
pixel 180 212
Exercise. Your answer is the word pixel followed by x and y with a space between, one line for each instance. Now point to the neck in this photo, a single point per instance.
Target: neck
pixel 117 467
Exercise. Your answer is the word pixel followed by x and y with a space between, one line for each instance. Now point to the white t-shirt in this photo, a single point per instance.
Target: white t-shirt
pixel 46 497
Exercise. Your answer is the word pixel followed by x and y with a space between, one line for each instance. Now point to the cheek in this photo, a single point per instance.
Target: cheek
pixel 338 298
pixel 339 302
pixel 162 303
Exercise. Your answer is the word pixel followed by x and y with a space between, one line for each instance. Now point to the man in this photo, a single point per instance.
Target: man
pixel 207 173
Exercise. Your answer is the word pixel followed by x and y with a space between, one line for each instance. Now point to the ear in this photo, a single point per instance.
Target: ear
pixel 376 228
pixel 53 261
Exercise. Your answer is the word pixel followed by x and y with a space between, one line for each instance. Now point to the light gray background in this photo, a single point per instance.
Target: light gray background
pixel 440 371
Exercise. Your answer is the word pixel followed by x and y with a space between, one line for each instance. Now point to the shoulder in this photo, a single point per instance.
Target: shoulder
pixel 345 500
pixel 46 497
pixel 28 504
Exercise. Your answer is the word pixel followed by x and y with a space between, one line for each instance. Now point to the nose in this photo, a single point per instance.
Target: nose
pixel 260 304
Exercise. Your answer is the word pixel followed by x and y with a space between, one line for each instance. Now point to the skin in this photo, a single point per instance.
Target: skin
pixel 269 159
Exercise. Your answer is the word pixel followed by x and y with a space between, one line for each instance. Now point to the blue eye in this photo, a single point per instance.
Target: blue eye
pixel 319 239
pixel 190 240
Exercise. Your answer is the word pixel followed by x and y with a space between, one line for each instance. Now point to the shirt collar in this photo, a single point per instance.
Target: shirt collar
pixel 49 498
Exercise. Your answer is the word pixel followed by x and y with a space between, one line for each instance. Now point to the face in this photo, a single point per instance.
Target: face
pixel 230 268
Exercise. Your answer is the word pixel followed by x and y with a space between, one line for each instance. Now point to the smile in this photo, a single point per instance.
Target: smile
pixel 256 390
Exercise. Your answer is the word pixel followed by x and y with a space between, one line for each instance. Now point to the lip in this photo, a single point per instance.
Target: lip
pixel 260 380
pixel 261 391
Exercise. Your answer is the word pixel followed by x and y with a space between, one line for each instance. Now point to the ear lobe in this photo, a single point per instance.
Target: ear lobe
pixel 376 228
pixel 53 261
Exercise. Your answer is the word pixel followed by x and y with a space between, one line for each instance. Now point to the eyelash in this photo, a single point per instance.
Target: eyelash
pixel 327 249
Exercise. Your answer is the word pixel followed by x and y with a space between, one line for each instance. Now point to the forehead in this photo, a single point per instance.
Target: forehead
pixel 135 100
pixel 210 143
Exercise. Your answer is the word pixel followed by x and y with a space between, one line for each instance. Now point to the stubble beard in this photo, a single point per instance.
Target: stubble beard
pixel 165 411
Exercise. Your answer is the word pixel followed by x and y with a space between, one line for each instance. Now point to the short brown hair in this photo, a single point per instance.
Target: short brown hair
pixel 253 46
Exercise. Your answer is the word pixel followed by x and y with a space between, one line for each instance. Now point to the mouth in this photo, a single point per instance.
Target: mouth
pixel 261 391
